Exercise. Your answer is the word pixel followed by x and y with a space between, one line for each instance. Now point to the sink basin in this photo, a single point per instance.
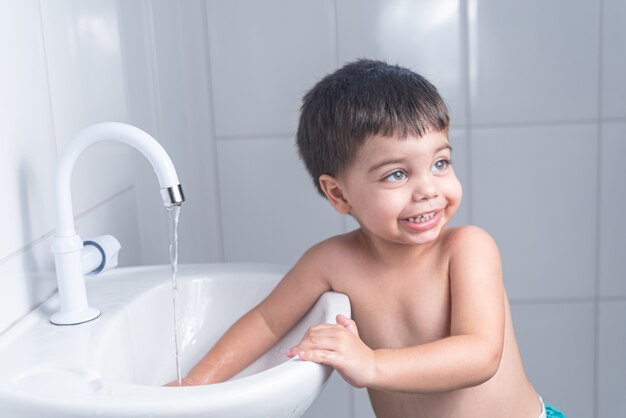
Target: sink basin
pixel 115 365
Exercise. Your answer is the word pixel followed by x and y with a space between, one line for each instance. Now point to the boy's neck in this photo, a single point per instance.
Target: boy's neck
pixel 393 253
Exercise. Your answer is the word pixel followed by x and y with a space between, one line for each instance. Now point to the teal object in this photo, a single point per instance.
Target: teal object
pixel 553 412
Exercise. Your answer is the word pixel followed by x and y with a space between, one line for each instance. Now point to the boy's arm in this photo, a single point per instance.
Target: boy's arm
pixel 468 357
pixel 263 326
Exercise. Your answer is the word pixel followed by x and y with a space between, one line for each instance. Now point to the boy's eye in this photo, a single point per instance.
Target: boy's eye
pixel 440 165
pixel 396 176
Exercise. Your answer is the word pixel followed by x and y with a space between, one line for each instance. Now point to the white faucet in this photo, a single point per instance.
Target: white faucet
pixel 66 245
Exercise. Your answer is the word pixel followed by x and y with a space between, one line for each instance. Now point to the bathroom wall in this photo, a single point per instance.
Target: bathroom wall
pixel 169 86
pixel 69 64
pixel 538 102
pixel 62 69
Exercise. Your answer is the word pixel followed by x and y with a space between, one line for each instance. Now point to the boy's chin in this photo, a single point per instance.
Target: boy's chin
pixel 424 237
pixel 405 240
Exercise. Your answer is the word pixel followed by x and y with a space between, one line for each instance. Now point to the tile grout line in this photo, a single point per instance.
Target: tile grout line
pixel 613 119
pixel 598 221
pixel 48 84
pixel 457 126
pixel 215 139
pixel 283 136
pixel 187 139
pixel 344 218
pixel 336 21
pixel 465 63
pixel 49 234
pixel 122 30
pixel 565 300
pixel 542 124
pixel 33 308
pixel 105 201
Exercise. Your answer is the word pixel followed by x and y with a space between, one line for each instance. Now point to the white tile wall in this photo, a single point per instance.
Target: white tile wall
pixel 117 217
pixel 264 56
pixel 61 69
pixel 168 87
pixel 271 211
pixel 26 125
pixel 612 208
pixel 556 342
pixel 613 59
pixel 459 140
pixel 138 48
pixel 28 278
pixel 137 27
pixel 205 224
pixel 533 61
pixel 176 94
pixel 611 366
pixel 534 189
pixel 422 35
pixel 86 78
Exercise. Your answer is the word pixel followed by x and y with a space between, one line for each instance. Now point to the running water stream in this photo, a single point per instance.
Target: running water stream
pixel 174 213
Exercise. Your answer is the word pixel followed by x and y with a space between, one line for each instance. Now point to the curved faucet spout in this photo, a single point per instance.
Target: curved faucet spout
pixel 171 190
pixel 66 245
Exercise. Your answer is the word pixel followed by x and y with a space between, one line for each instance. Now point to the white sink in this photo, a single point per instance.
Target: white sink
pixel 115 365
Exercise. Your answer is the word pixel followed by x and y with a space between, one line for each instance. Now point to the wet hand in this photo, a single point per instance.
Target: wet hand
pixel 186 381
pixel 340 347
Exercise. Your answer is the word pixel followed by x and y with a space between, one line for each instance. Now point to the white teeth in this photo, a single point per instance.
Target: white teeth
pixel 422 218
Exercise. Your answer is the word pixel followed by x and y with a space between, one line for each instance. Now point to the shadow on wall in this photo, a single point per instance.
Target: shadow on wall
pixel 37 261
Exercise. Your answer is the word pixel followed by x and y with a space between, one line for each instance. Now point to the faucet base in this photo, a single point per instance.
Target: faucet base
pixel 72 318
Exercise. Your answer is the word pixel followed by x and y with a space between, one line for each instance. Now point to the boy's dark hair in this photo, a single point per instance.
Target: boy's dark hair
pixel 362 99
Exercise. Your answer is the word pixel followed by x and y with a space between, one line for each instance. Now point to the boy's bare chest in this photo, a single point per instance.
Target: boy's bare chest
pixel 401 309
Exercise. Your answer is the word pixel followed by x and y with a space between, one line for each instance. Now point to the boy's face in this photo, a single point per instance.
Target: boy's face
pixel 401 190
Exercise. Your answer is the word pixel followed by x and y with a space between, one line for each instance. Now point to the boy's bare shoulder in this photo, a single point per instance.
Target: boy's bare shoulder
pixel 332 253
pixel 469 239
pixel 327 261
pixel 338 244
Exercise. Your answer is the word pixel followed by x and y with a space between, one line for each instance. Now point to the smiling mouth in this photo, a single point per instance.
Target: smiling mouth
pixel 424 217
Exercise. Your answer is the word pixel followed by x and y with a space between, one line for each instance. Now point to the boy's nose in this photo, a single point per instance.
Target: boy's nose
pixel 424 190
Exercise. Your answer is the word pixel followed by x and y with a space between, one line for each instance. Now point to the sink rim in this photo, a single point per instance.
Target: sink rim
pixel 125 398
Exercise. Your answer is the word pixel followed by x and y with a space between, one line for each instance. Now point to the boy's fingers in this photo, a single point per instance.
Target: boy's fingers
pixel 348 323
pixel 321 340
pixel 316 344
pixel 319 356
pixel 321 327
pixel 321 336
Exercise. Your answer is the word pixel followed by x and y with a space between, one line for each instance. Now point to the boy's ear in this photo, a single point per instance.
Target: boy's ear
pixel 332 189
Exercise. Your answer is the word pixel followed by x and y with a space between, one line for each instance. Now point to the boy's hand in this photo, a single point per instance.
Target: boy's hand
pixel 340 347
pixel 186 381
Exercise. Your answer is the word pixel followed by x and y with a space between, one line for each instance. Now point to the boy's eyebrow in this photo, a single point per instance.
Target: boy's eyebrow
pixel 386 162
pixel 402 160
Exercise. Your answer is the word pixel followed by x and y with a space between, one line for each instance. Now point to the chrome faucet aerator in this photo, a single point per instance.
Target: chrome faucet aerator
pixel 172 196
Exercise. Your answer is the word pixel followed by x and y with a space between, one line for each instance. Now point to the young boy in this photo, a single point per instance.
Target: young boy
pixel 431 333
